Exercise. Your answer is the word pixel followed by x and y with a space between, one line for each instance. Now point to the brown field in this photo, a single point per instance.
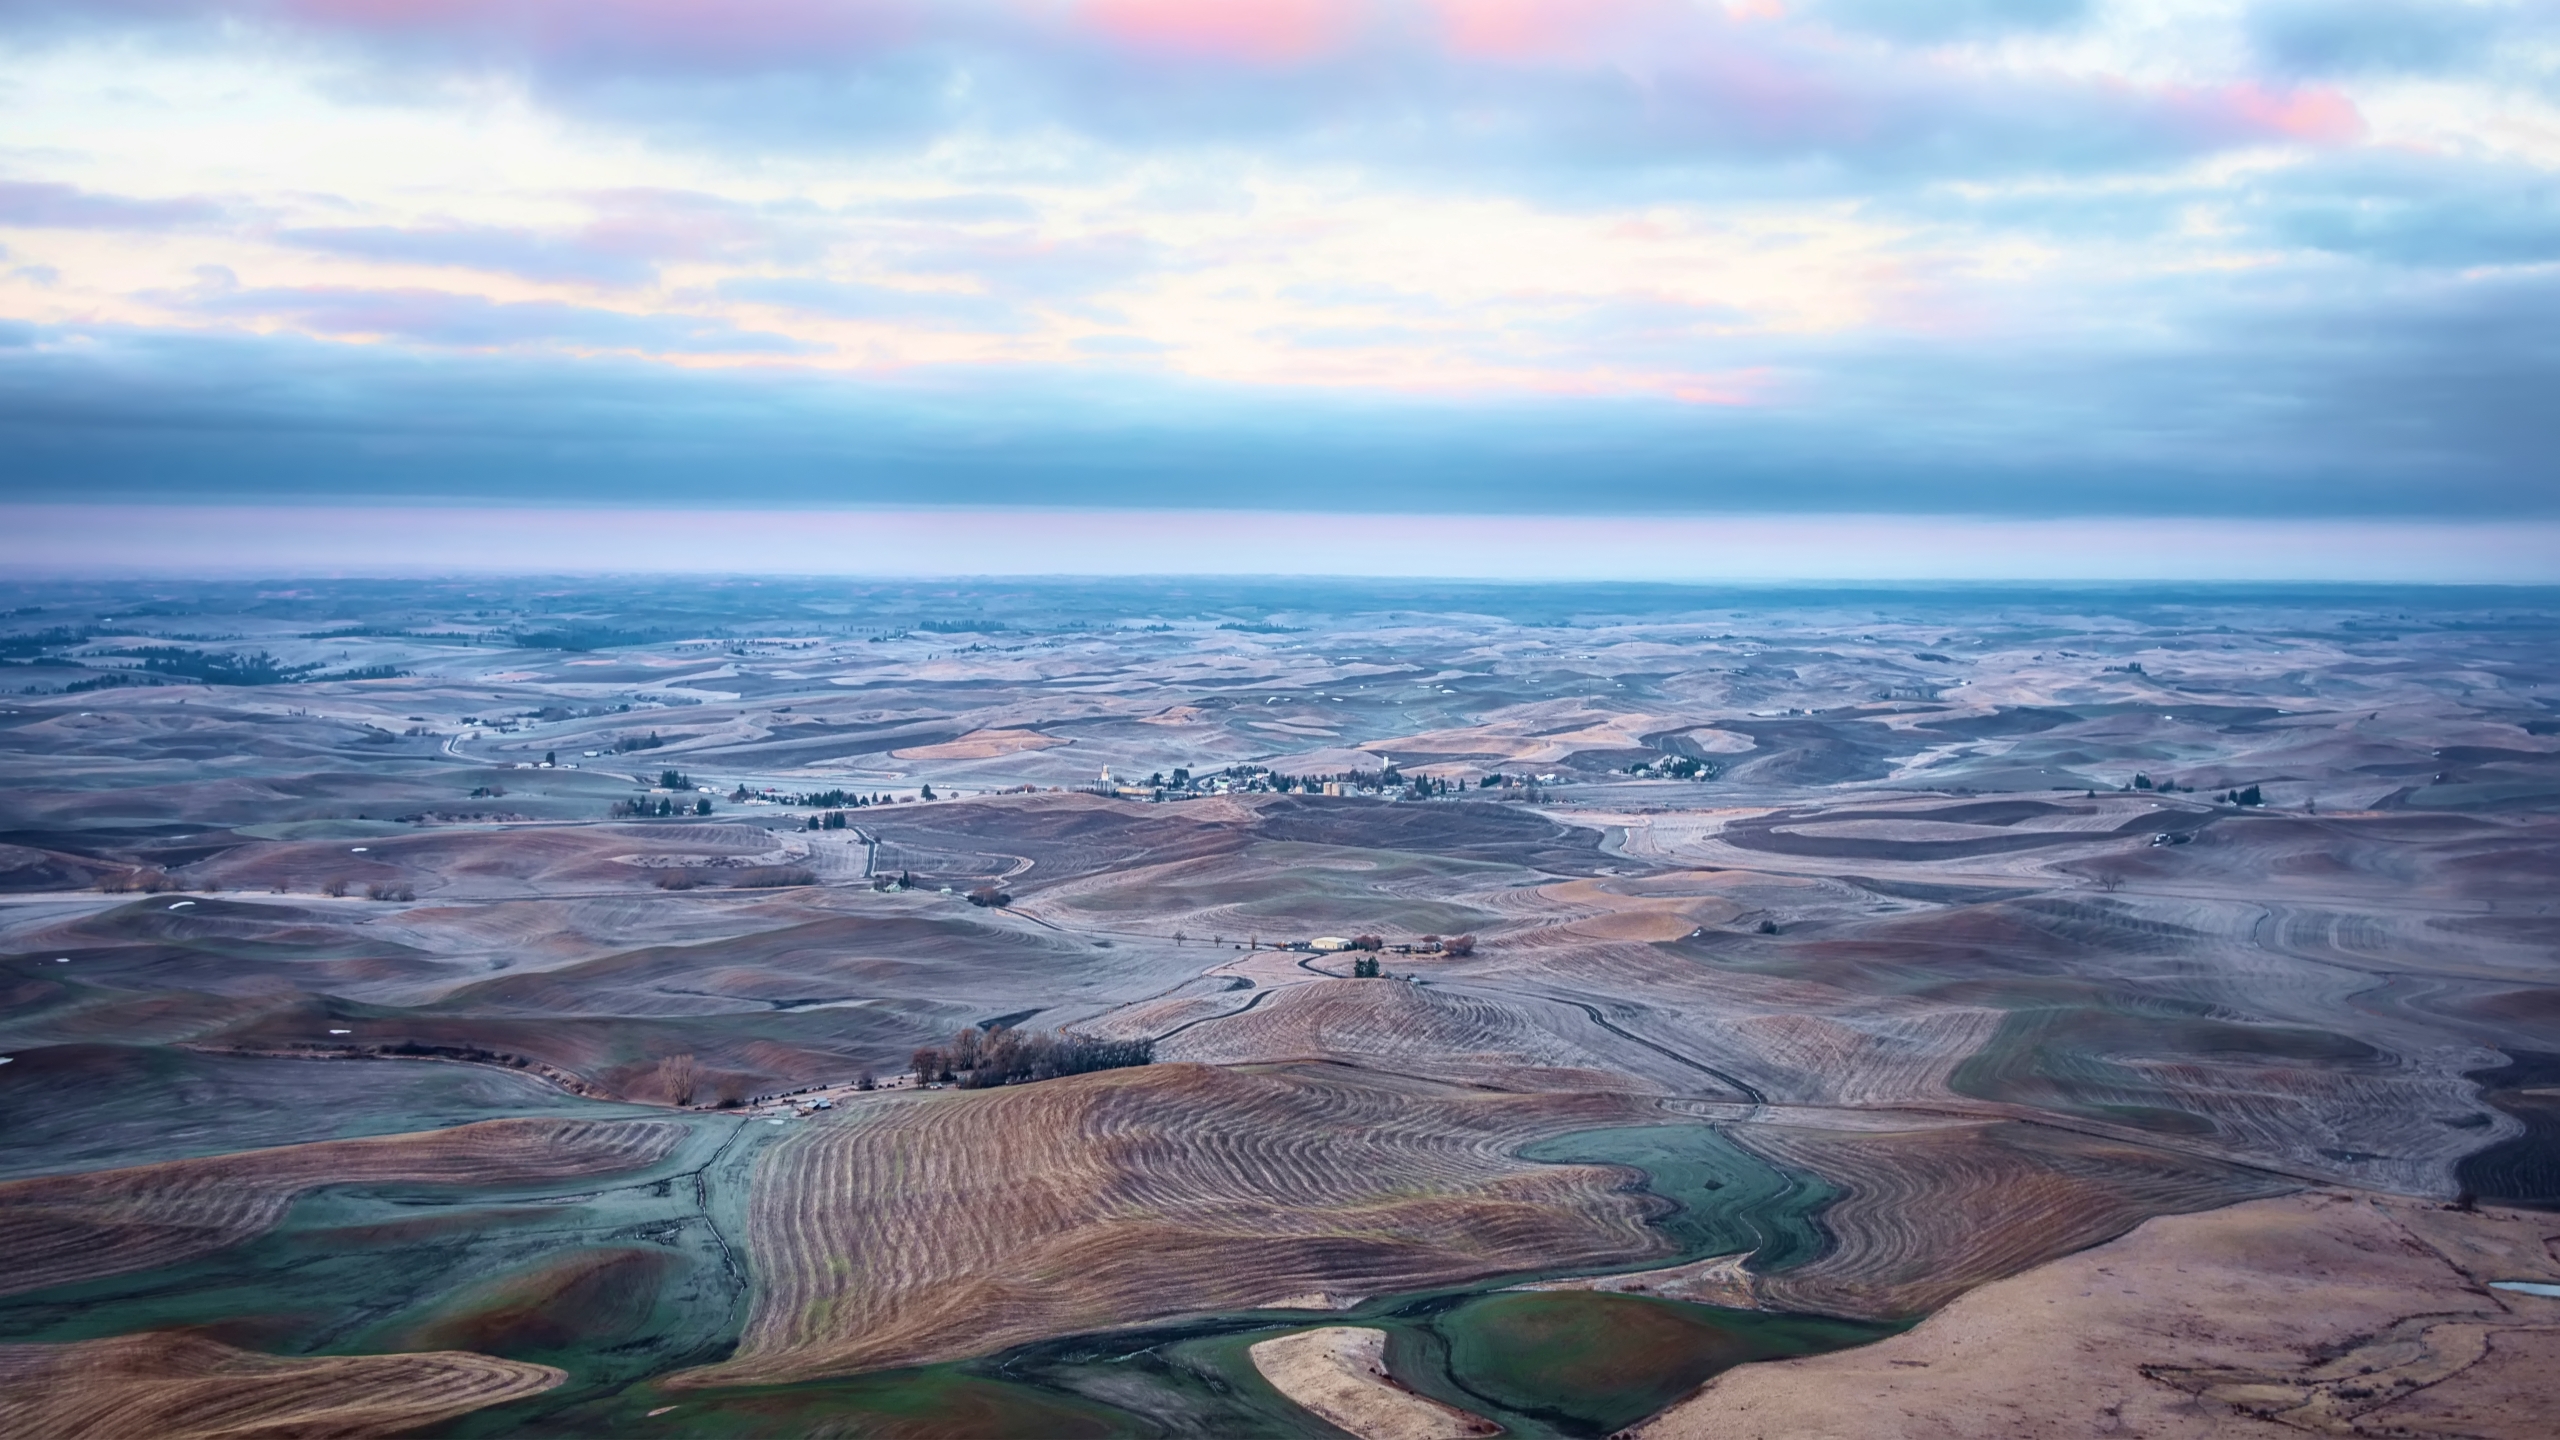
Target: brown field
pixel 60 1229
pixel 985 745
pixel 1926 1215
pixel 173 1386
pixel 1408 1029
pixel 1340 1374
pixel 2327 1313
pixel 951 1225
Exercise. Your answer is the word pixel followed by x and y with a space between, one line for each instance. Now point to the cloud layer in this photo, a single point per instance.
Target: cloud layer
pixel 1999 256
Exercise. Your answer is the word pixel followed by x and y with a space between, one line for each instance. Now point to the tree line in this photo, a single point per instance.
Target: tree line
pixel 981 1059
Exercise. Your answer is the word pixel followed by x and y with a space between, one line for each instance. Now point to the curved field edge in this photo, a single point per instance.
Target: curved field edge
pixel 178 1387
pixel 993 1218
pixel 61 1229
pixel 1922 1216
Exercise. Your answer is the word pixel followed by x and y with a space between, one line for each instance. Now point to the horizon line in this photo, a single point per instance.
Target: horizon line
pixel 399 540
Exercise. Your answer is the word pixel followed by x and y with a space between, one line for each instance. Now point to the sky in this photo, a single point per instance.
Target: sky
pixel 1995 261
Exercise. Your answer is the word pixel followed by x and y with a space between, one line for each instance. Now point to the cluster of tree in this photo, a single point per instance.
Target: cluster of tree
pixel 39 641
pixel 389 891
pixel 832 820
pixel 1674 767
pixel 1365 968
pixel 2249 796
pixel 581 638
pixel 365 672
pixel 673 780
pixel 982 1059
pixel 214 668
pixel 832 799
pixel 629 743
pixel 989 897
pixel 2163 787
pixel 663 806
pixel 1387 779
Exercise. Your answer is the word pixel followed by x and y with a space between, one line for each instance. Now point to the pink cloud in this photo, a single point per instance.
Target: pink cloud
pixel 1639 32
pixel 2316 114
pixel 1268 31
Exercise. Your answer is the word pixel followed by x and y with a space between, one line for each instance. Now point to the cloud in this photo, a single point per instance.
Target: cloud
pixel 1937 20
pixel 845 300
pixel 2015 256
pixel 529 253
pixel 1031 264
pixel 446 320
pixel 2335 37
pixel 2419 210
pixel 1651 92
pixel 47 205
pixel 2424 396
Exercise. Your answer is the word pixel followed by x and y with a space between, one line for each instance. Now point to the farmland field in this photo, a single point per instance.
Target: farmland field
pixel 1679 992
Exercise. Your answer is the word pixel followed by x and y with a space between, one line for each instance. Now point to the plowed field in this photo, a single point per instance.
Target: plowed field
pixel 65 1228
pixel 182 1387
pixel 953 1225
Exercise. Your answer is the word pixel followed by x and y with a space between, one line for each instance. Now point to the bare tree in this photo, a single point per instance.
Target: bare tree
pixel 678 1076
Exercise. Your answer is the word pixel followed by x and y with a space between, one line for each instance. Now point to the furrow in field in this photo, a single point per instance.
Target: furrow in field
pixel 1412 1029
pixel 59 1229
pixel 922 1229
pixel 174 1386
pixel 1925 1215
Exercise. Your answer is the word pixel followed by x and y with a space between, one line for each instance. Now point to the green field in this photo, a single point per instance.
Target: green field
pixel 1588 1363
pixel 1725 1200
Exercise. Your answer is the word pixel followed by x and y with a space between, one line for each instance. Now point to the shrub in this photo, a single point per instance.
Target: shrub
pixel 678 1076
pixel 986 896
pixel 1458 945
pixel 678 880
pixel 389 891
pixel 334 888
